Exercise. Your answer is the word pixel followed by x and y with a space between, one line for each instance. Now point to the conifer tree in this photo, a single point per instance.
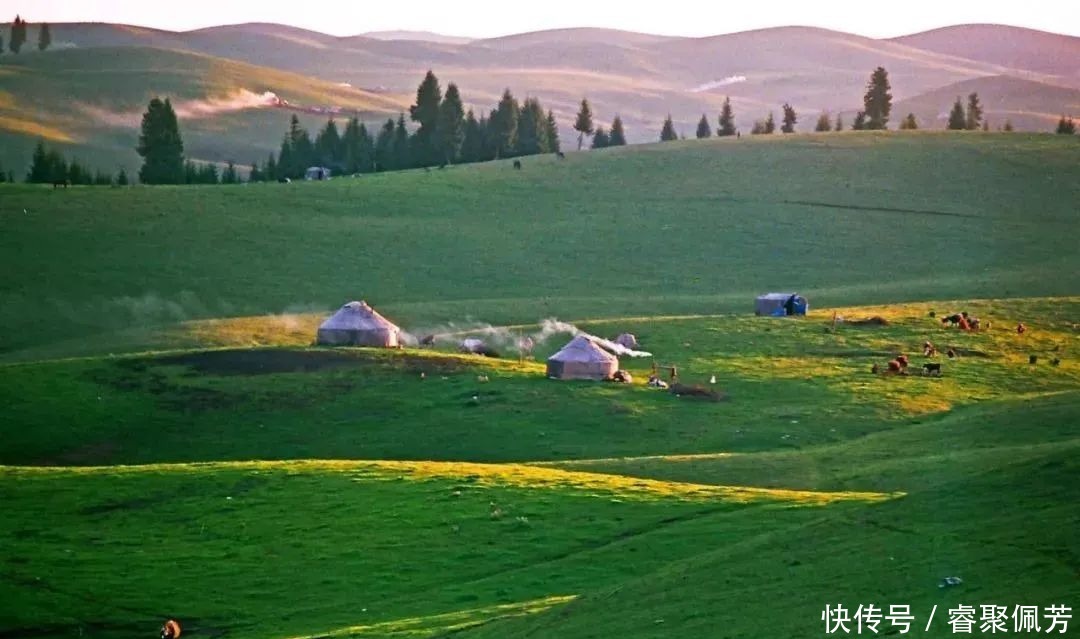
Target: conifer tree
pixel 384 147
pixel 229 175
pixel 503 125
pixel 426 113
pixel 18 35
pixel 770 125
pixel 986 124
pixel 101 178
pixel 532 129
pixel 667 133
pixel 877 103
pixel 860 122
pixel 601 139
pixel 44 37
pixel 909 123
pixel 39 165
pixel 790 119
pixel 160 145
pixel 974 113
pixel 823 124
pixel 1066 126
pixel 403 149
pixel 839 123
pixel 122 177
pixel 327 147
pixel 554 146
pixel 584 122
pixel 957 119
pixel 703 129
pixel 255 174
pixel 1008 127
pixel 618 135
pixel 270 170
pixel 472 144
pixel 450 128
pixel 727 119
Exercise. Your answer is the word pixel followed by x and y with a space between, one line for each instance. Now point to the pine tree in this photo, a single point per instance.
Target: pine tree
pixel 3 176
pixel 1066 126
pixel 584 122
pixel 823 124
pixel 450 129
pixel 160 145
pixel 790 119
pixel 39 165
pixel 839 123
pixel 472 144
pixel 358 150
pixel 974 113
pixel 302 149
pixel 667 133
pixel 122 178
pixel 384 147
pixel 878 101
pixel 229 176
pixel 255 174
pixel 18 35
pixel 770 124
pixel 270 170
pixel 102 178
pixel 554 146
pixel 986 124
pixel 618 135
pixel 44 37
pixel 286 165
pixel 1008 127
pixel 191 173
pixel 601 139
pixel 532 129
pixel 403 149
pixel 75 173
pixel 328 147
pixel 957 119
pixel 426 113
pixel 758 128
pixel 909 123
pixel 860 122
pixel 503 125
pixel 727 120
pixel 703 129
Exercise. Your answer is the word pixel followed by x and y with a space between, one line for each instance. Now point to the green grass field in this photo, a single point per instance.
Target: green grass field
pixel 175 447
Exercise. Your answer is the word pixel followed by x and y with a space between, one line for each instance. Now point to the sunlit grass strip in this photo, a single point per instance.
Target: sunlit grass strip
pixel 487 475
pixel 636 458
pixel 432 625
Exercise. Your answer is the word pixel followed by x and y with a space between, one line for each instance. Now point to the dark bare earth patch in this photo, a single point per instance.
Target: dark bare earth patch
pixel 879 209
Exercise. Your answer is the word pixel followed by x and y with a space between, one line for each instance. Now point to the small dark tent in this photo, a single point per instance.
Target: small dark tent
pixel 780 304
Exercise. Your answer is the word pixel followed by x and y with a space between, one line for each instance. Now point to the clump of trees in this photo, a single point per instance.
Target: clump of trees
pixel 17 36
pixel 48 166
pixel 764 127
pixel 444 133
pixel 1066 126
pixel 969 120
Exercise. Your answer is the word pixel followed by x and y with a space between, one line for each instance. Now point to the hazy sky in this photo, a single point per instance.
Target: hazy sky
pixel 485 18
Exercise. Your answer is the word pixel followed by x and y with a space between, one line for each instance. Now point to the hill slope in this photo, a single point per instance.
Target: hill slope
pixel 1014 47
pixel 1026 103
pixel 89 103
pixel 639 76
pixel 688 227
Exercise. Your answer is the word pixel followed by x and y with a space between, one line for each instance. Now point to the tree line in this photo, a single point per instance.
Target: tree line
pixel 48 166
pixel 443 133
pixel 17 36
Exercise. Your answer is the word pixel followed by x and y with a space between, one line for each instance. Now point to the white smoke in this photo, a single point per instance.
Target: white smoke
pixel 508 338
pixel 716 84
pixel 190 109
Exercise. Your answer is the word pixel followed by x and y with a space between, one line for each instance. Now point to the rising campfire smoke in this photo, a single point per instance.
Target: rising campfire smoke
pixel 507 338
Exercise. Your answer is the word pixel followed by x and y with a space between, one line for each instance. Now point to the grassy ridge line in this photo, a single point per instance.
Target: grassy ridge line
pixel 515 475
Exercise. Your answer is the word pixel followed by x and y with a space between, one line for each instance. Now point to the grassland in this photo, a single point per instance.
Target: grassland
pixel 174 445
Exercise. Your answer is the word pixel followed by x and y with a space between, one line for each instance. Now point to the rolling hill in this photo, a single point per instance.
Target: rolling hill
pixel 1013 47
pixel 642 77
pixel 89 102
pixel 1027 104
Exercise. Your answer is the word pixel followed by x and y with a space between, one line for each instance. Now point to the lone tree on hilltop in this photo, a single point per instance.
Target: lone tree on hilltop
pixel 1066 126
pixel 160 145
pixel 667 133
pixel 790 119
pixel 727 120
pixel 703 129
pixel 823 124
pixel 584 122
pixel 974 113
pixel 44 37
pixel 878 101
pixel 957 119
pixel 618 135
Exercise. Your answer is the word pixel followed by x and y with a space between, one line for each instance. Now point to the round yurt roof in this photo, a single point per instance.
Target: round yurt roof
pixel 582 349
pixel 358 316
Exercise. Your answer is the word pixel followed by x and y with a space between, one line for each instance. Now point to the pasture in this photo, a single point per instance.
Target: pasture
pixel 175 446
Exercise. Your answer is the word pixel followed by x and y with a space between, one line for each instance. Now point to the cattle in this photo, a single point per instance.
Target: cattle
pixel 932 368
pixel 517 164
